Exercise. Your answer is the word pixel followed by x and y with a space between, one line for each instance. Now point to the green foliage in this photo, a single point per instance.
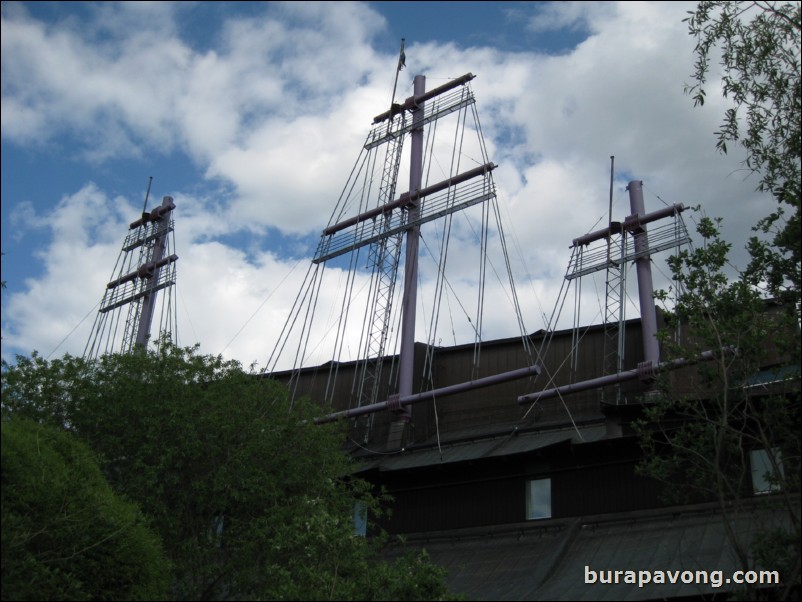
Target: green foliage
pixel 704 440
pixel 700 442
pixel 720 313
pixel 759 55
pixel 252 500
pixel 759 45
pixel 410 577
pixel 65 534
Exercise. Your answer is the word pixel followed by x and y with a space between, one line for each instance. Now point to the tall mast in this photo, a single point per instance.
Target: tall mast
pixel 161 226
pixel 146 265
pixel 407 358
pixel 648 316
pixel 644 245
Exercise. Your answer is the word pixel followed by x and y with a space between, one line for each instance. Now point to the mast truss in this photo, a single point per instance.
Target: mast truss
pixel 357 223
pixel 145 267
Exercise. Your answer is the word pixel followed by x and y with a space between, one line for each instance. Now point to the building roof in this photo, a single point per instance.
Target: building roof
pixel 547 560
pixel 513 441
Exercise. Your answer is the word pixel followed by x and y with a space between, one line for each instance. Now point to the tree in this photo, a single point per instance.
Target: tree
pixel 251 499
pixel 714 439
pixel 707 428
pixel 65 534
pixel 759 45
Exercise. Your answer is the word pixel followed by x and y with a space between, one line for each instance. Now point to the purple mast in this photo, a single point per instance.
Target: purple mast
pixel 648 315
pixel 407 359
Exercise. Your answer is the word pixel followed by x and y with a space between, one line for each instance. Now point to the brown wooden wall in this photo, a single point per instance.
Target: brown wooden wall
pixel 482 408
pixel 598 479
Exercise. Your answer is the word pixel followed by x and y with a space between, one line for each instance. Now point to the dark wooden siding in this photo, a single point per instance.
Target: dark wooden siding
pixel 456 506
pixel 602 489
pixel 482 408
pixel 493 492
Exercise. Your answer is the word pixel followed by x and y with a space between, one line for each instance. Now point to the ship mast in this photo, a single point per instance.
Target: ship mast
pixel 406 214
pixel 145 266
pixel 407 358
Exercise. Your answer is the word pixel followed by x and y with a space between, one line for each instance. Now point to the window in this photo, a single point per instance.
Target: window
pixel 215 533
pixel 538 499
pixel 763 475
pixel 360 519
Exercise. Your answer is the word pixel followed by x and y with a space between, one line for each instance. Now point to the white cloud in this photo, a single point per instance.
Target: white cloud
pixel 554 16
pixel 77 267
pixel 112 97
pixel 276 107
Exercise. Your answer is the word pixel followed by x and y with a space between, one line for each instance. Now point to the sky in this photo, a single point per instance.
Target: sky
pixel 251 115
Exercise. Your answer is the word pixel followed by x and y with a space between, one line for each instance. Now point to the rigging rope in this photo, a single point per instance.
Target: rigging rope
pixel 69 334
pixel 261 305
pixel 545 342
pixel 339 339
pixel 289 324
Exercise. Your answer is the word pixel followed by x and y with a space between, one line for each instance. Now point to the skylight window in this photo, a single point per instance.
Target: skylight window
pixel 538 499
pixel 763 470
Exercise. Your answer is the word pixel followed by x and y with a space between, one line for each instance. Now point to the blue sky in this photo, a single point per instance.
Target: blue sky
pixel 251 114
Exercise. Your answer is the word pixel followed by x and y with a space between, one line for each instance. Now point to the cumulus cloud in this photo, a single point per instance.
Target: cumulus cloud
pixel 555 16
pixel 273 108
pixel 113 95
pixel 47 312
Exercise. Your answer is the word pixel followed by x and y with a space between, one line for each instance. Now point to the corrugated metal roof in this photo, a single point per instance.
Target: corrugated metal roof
pixel 431 456
pixel 515 443
pixel 547 560
pixel 773 375
pixel 525 442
